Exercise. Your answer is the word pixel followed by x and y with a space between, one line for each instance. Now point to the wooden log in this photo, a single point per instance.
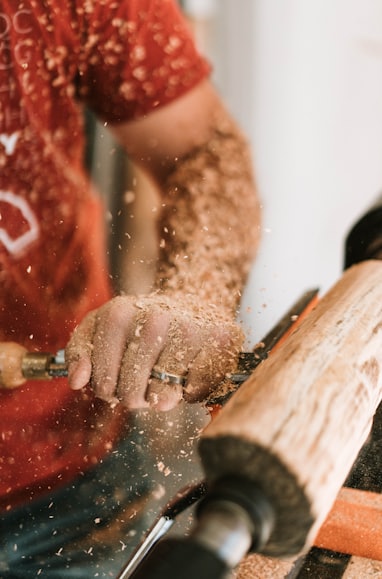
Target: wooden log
pixel 296 425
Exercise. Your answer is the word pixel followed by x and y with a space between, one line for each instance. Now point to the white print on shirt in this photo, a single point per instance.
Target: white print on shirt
pixel 17 245
pixel 19 51
pixel 22 49
pixel 9 142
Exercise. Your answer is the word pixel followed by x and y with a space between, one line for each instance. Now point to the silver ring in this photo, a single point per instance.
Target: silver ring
pixel 167 377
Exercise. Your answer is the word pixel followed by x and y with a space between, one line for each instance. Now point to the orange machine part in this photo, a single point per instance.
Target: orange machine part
pixel 354 525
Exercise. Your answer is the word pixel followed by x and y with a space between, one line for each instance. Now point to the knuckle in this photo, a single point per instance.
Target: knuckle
pixel 116 312
pixel 156 325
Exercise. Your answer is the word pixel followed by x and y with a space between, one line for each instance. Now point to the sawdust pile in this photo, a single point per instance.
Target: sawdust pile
pixel 258 567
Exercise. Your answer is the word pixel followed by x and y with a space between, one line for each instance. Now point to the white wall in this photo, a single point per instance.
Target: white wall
pixel 304 79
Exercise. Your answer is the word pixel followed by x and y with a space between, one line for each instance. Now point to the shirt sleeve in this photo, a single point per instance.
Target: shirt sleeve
pixel 136 55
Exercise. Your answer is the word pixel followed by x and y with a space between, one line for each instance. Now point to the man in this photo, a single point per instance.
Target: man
pixel 133 62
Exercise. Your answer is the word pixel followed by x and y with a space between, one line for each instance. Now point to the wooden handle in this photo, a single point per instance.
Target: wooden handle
pixel 296 425
pixel 11 358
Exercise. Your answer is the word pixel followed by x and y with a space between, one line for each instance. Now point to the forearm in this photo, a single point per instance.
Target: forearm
pixel 210 221
pixel 208 231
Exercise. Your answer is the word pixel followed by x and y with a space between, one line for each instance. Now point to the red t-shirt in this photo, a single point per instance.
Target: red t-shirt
pixel 122 58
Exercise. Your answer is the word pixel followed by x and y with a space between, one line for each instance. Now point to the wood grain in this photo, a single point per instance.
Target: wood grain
pixel 11 357
pixel 296 426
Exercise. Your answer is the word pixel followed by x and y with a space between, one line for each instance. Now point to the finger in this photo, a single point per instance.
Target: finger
pixel 164 396
pixel 140 357
pixel 116 324
pixel 210 367
pixel 181 347
pixel 78 353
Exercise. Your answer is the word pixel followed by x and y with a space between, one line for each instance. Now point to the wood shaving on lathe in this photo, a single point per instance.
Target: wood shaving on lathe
pixel 259 567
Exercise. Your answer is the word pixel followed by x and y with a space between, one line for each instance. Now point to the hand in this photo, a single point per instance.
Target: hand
pixel 116 347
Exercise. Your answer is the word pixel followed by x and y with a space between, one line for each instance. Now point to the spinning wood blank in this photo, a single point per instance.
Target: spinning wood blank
pixel 296 425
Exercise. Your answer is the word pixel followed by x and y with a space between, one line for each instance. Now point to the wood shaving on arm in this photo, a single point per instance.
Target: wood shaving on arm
pixel 209 225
